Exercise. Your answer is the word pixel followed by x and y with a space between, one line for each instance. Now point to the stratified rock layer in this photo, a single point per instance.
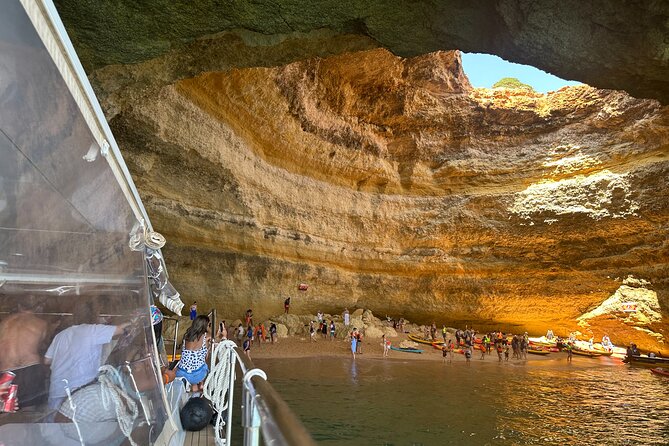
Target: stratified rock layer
pixel 620 45
pixel 390 184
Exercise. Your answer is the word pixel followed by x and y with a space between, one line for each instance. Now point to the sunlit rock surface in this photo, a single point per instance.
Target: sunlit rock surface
pixel 619 45
pixel 391 184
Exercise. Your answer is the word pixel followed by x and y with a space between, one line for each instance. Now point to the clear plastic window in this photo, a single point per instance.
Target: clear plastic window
pixel 73 295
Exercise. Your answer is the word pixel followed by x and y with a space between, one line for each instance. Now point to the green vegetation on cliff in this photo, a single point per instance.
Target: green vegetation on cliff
pixel 513 83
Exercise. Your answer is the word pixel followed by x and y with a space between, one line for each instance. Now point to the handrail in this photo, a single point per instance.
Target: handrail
pixel 280 426
pixel 175 341
pixel 278 417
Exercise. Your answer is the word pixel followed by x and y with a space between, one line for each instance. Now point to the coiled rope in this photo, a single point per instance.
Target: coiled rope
pixel 217 384
pixel 113 393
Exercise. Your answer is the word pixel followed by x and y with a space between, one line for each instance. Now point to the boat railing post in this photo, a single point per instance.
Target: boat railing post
pixel 250 413
pixel 176 341
pixel 231 391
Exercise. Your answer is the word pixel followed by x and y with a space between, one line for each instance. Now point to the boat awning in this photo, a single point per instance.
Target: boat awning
pixel 68 205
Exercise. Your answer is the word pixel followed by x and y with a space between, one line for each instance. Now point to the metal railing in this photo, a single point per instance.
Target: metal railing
pixel 174 340
pixel 263 410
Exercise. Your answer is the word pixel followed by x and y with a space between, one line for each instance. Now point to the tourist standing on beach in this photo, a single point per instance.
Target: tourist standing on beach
pixel 332 330
pixel 249 317
pixel 443 333
pixel 272 332
pixel 523 346
pixel 347 317
pixel 193 311
pixel 249 333
pixel 258 331
pixel 240 334
pixel 359 342
pixel 468 354
pixel 286 305
pixel 319 316
pixel 247 347
pixel 354 341
pixel 312 331
pixel 569 351
pixel 386 345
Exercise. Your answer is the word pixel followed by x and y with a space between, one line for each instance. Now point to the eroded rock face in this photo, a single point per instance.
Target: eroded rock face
pixel 619 45
pixel 390 184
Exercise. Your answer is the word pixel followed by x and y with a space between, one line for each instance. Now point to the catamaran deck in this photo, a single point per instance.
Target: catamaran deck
pixel 205 437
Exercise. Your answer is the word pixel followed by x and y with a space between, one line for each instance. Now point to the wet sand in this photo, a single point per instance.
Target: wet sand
pixel 302 347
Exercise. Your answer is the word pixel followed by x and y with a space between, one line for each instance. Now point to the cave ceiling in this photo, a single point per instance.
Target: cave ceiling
pixel 611 45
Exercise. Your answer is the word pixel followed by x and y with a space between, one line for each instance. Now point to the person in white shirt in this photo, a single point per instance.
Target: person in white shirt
pixel 75 353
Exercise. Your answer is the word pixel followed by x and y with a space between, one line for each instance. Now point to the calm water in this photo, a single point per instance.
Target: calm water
pixel 404 402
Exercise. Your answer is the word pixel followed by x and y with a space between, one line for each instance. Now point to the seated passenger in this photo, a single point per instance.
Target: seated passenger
pixel 75 354
pixel 23 336
pixel 193 362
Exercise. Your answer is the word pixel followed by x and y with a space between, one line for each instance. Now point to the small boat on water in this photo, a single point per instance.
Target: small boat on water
pixel 422 341
pixel 645 360
pixel 406 349
pixel 538 352
pixel 589 353
pixel 660 371
pixel 543 341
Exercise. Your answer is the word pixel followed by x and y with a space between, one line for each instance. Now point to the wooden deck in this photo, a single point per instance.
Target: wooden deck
pixel 205 437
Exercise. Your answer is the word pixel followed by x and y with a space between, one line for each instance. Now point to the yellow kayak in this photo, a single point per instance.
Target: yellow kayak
pixel 422 341
pixel 590 353
pixel 537 352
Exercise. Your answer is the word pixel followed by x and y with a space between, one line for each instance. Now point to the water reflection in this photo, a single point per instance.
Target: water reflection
pixel 354 373
pixel 376 402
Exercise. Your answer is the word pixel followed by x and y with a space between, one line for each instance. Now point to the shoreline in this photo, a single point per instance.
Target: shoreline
pixel 297 347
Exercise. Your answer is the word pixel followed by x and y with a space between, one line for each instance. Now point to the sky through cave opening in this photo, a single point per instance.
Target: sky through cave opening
pixel 484 70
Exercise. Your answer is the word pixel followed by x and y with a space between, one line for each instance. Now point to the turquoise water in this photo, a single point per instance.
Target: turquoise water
pixel 405 402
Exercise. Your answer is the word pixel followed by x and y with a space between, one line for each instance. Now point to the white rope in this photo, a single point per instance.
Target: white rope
pixel 74 410
pixel 217 384
pixel 124 406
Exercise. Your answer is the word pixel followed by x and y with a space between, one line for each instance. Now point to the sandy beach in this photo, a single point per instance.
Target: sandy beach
pixel 302 347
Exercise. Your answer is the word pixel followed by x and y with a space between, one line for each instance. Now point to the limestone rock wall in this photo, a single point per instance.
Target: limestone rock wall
pixel 391 184
pixel 620 45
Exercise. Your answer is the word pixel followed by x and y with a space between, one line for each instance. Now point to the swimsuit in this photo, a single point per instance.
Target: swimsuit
pixel 193 363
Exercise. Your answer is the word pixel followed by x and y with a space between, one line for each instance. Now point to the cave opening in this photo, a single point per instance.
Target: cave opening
pixel 488 71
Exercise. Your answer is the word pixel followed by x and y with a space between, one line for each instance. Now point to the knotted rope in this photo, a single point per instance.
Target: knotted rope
pixel 113 393
pixel 217 384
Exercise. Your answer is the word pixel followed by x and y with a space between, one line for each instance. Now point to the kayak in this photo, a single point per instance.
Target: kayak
pixel 406 349
pixel 590 353
pixel 538 352
pixel 645 360
pixel 543 341
pixel 421 340
pixel 660 371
